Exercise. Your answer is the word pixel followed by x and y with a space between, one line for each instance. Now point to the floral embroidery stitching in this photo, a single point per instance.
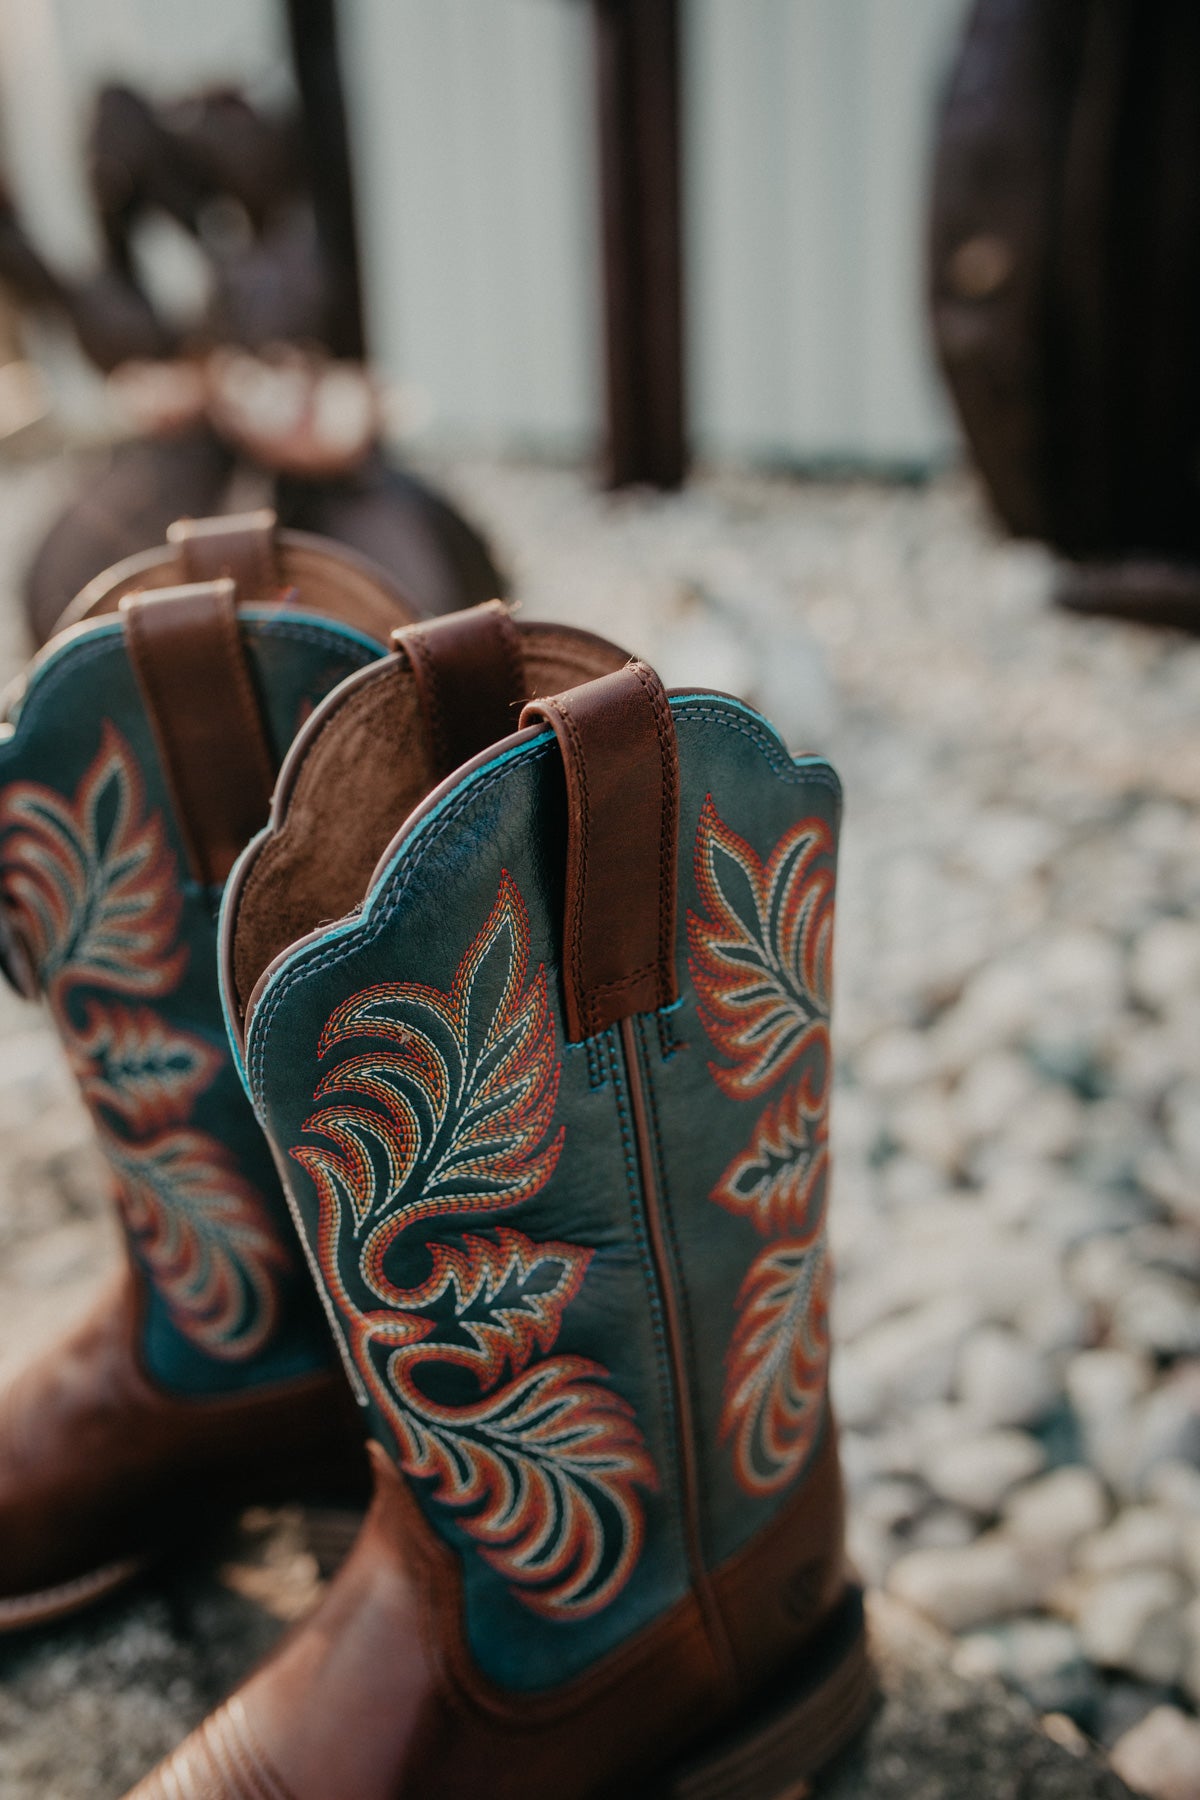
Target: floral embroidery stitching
pixel 760 961
pixel 537 1458
pixel 775 1370
pixel 204 1231
pixel 774 1179
pixel 92 886
pixel 146 1072
pixel 99 903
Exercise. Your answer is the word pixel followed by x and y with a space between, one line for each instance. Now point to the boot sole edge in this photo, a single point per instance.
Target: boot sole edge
pixel 776 1751
pixel 24 1612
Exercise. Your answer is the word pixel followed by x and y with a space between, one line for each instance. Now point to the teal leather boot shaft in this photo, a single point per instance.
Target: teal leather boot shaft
pixel 580 1286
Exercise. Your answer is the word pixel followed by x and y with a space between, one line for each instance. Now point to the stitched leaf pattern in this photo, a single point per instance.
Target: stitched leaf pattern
pixel 777 1363
pixel 467 1088
pixel 147 1073
pixel 544 1464
pixel 202 1232
pixel 91 882
pixel 92 886
pixel 781 1175
pixel 760 959
pixel 535 1456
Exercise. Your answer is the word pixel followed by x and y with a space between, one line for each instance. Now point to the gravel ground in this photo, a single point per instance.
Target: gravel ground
pixel 1017 1128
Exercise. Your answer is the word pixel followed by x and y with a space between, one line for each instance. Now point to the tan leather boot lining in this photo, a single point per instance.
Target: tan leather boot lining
pixel 315 575
pixel 359 776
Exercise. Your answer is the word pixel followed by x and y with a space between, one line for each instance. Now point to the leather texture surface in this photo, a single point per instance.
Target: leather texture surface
pixel 369 1697
pixel 622 778
pixel 580 1287
pixel 93 872
pixel 470 679
pixel 101 1469
pixel 182 642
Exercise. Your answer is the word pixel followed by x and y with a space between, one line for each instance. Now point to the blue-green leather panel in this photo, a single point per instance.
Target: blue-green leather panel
pixel 207 1329
pixel 733 759
pixel 418 925
pixel 349 1022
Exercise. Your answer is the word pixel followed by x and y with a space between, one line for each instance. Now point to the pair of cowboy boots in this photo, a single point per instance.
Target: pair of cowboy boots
pixel 527 983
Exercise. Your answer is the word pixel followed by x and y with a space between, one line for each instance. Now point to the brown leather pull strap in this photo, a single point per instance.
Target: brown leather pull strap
pixel 470 678
pixel 239 545
pixel 617 740
pixel 186 650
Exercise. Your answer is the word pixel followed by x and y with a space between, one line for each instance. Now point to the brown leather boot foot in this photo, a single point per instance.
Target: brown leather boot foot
pixel 369 1659
pixel 101 1471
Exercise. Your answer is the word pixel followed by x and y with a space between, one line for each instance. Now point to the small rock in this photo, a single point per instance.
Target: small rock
pixel 1182 1118
pixel 1041 1658
pixel 1082 969
pixel 1058 1509
pixel 942 1528
pixel 1050 1126
pixel 1003 846
pixel 1063 1731
pixel 870 1549
pixel 908 1182
pixel 1103 1387
pixel 1165 963
pixel 859 1398
pixel 1163 1177
pixel 1099 1269
pixel 1126 1703
pixel 1001 1380
pixel 1161 1757
pixel 973 1585
pixel 977 1473
pixel 1164 1427
pixel 891 1502
pixel 990 1092
pixel 895 1061
pixel 1190 1533
pixel 1158 1313
pixel 1175 1485
pixel 924 1124
pixel 912 1356
pixel 995 1008
pixel 1142 1537
pixel 1054 1320
pixel 1134 1621
pixel 1167 1249
pixel 1191 1667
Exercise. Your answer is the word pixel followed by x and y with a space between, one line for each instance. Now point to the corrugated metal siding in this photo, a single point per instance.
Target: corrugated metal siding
pixel 807 135
pixel 809 126
pixel 474 142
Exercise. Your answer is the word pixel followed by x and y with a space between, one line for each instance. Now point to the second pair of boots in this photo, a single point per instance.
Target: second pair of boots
pixel 509 1154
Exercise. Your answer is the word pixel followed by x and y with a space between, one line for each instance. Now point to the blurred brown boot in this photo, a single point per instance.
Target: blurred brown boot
pixel 136 762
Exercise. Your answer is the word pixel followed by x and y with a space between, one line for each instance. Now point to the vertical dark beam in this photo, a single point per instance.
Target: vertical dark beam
pixel 638 90
pixel 312 28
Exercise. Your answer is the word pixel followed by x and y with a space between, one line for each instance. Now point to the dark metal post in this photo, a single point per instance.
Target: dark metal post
pixel 638 90
pixel 312 27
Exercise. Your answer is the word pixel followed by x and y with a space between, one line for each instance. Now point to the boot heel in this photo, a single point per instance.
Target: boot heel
pixel 773 1752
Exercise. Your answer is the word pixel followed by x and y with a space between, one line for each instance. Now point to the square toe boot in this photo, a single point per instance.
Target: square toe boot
pixel 136 761
pixel 550 1101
